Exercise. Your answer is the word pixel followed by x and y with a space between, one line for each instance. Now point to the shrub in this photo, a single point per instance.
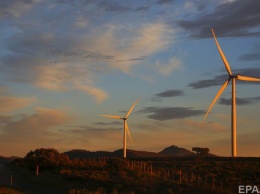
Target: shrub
pixel 46 158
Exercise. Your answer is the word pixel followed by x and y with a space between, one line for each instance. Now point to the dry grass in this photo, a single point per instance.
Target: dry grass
pixel 5 190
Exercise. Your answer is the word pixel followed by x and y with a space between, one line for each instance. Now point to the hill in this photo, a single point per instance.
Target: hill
pixel 77 153
pixel 172 151
pixel 136 154
pixel 4 160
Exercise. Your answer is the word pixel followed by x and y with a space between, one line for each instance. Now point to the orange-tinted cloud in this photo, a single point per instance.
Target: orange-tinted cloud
pixel 21 133
pixel 12 103
pixel 203 125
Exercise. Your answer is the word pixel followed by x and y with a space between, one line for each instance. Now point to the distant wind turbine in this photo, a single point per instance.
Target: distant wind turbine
pixel 126 129
pixel 233 108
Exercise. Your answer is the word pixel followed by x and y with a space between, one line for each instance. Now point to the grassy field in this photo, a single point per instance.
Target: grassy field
pixel 147 176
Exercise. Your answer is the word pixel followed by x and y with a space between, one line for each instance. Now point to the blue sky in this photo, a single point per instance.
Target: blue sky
pixel 63 63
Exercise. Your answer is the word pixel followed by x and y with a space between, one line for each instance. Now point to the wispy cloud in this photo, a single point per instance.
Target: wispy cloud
pixel 8 104
pixel 99 94
pixel 215 81
pixel 42 119
pixel 163 1
pixel 60 58
pixel 167 94
pixel 50 62
pixel 168 113
pixel 242 21
pixel 15 8
pixel 254 55
pixel 110 123
pixel 219 80
pixel 37 128
pixel 202 126
pixel 167 69
pixel 239 101
pixel 170 93
pixel 112 6
pixel 144 40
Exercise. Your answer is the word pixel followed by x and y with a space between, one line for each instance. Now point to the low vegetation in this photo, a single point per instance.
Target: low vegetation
pixel 6 190
pixel 143 176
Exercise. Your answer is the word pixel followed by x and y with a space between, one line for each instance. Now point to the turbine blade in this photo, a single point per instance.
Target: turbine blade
pixel 245 78
pixel 128 132
pixel 216 97
pixel 111 116
pixel 222 55
pixel 130 110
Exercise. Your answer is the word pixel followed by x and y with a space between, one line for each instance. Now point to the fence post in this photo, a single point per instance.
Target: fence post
pixel 11 181
pixel 198 181
pixel 206 181
pixel 213 184
pixel 37 170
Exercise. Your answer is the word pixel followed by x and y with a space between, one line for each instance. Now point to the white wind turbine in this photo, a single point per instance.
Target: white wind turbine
pixel 233 108
pixel 126 129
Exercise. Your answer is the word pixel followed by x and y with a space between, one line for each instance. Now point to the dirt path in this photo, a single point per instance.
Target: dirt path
pixel 21 184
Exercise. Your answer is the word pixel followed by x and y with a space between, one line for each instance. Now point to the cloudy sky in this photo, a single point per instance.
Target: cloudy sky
pixel 65 62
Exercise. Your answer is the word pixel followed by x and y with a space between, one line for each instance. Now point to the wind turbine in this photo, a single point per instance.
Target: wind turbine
pixel 126 129
pixel 233 78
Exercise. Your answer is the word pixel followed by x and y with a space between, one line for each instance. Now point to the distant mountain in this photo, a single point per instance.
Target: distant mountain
pixel 118 153
pixel 87 154
pixel 172 151
pixel 4 160
pixel 136 154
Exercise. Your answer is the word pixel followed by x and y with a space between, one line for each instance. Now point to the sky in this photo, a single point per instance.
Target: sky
pixel 63 63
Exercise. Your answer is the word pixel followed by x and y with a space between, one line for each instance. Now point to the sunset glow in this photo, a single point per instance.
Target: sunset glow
pixel 64 63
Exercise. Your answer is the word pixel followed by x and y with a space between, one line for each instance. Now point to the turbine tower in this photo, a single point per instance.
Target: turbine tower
pixel 126 129
pixel 233 78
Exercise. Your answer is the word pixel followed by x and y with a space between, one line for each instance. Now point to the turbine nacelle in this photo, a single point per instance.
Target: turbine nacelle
pixel 233 76
pixel 223 87
pixel 126 128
